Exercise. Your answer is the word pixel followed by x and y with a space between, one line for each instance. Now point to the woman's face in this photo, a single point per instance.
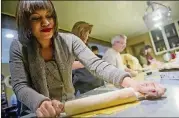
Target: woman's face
pixel 149 50
pixel 145 52
pixel 42 24
pixel 85 37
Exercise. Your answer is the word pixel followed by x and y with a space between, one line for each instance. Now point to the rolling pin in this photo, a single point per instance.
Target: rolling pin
pixel 100 101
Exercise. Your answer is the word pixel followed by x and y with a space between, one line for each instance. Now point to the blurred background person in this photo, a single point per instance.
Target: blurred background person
pixel 95 50
pixel 83 80
pixel 146 58
pixel 131 62
pixel 82 30
pixel 113 56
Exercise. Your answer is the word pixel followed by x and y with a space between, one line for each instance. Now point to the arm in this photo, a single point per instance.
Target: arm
pixel 77 65
pixel 109 73
pixel 20 80
pixel 132 72
pixel 97 66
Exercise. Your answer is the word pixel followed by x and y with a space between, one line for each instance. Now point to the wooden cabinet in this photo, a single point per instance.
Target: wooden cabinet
pixel 158 40
pixel 166 38
pixel 172 35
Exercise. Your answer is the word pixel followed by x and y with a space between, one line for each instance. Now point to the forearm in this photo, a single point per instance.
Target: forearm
pixel 110 59
pixel 77 65
pixel 20 79
pixel 132 72
pixel 97 66
pixel 129 82
pixel 22 87
pixel 30 97
pixel 102 69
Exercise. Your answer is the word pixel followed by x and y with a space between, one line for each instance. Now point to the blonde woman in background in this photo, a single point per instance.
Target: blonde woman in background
pixel 83 80
pixel 82 30
pixel 131 62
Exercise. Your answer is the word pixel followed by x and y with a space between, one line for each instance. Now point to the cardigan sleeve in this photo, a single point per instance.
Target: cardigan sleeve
pixel 97 66
pixel 20 79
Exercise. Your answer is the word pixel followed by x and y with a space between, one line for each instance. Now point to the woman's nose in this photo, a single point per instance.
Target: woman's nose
pixel 45 22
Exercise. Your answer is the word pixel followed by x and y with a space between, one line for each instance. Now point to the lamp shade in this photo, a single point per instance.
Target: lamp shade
pixel 158 17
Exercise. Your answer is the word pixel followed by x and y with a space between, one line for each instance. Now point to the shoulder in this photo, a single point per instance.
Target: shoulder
pixel 67 36
pixel 15 47
pixel 109 54
pixel 16 44
pixel 110 51
pixel 142 57
pixel 107 50
pixel 15 51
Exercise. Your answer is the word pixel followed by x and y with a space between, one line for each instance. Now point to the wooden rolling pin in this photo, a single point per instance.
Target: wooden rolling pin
pixel 96 102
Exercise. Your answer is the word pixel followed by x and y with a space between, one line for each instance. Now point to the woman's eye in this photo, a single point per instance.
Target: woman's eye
pixel 35 18
pixel 49 16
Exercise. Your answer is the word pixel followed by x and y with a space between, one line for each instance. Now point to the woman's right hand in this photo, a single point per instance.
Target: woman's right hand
pixel 47 109
pixel 150 90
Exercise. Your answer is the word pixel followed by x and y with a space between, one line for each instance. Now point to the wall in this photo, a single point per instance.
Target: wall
pixel 139 39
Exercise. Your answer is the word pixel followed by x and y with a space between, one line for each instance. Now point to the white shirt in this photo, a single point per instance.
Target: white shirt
pixel 113 57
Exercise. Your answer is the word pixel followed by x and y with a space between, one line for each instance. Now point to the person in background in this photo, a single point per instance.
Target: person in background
pixel 95 50
pixel 13 98
pixel 146 58
pixel 149 57
pixel 131 62
pixel 113 56
pixel 41 62
pixel 83 80
pixel 81 29
pixel 2 78
pixel 142 57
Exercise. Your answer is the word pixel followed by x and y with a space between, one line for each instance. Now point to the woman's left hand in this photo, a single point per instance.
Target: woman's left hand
pixel 59 107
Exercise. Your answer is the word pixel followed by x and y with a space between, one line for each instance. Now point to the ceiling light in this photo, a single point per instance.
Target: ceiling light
pixel 158 25
pixel 159 15
pixel 9 35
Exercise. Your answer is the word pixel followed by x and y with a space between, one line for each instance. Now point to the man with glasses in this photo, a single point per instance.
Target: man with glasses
pixel 113 55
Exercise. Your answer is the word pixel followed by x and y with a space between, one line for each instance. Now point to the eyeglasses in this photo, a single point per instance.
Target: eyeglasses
pixel 120 42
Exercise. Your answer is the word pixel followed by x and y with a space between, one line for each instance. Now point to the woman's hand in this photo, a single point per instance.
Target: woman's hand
pixel 148 89
pixel 50 109
pixel 151 90
pixel 59 107
pixel 132 72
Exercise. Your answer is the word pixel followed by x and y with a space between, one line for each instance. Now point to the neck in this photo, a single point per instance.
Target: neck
pixel 115 48
pixel 45 43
